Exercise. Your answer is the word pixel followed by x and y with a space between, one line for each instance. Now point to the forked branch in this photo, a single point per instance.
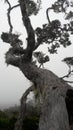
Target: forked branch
pixel 8 15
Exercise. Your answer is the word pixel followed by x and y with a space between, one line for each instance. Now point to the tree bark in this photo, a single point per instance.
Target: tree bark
pixel 53 90
pixel 54 112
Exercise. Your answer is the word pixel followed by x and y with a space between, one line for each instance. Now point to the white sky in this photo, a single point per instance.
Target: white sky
pixel 12 81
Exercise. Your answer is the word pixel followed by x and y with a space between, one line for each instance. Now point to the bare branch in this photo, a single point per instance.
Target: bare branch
pixel 15 6
pixel 67 75
pixel 48 15
pixel 68 81
pixel 9 18
pixel 8 3
pixel 8 15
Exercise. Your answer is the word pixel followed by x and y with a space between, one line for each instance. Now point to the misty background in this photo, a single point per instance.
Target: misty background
pixel 12 81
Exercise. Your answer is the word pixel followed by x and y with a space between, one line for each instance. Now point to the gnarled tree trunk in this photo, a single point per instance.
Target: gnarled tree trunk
pixel 54 112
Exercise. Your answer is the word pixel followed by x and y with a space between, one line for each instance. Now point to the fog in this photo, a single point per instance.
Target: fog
pixel 12 82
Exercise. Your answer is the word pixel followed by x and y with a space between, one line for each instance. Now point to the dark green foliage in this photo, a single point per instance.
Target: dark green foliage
pixel 8 38
pixel 7 123
pixel 53 48
pixel 32 7
pixel 31 120
pixel 2 114
pixel 68 60
pixel 41 57
pixel 64 39
pixel 49 32
pixel 54 33
pixel 7 120
pixel 71 27
pixel 31 123
pixel 69 15
pixel 60 6
pixel 5 37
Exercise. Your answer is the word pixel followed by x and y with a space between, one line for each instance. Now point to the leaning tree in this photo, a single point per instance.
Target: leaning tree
pixel 56 95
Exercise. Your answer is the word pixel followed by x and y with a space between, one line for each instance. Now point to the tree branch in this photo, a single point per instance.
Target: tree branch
pixel 24 96
pixel 9 18
pixel 29 29
pixel 47 14
pixel 68 81
pixel 15 6
pixel 37 44
pixel 67 75
pixel 8 15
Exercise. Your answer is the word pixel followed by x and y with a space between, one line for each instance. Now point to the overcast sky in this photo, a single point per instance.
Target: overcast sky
pixel 12 81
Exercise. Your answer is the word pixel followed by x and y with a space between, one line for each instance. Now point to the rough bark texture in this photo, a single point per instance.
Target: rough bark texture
pixel 54 112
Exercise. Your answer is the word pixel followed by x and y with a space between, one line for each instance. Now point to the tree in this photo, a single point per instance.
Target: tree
pixel 55 92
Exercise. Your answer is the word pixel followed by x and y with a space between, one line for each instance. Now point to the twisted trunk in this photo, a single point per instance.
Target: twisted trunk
pixel 54 111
